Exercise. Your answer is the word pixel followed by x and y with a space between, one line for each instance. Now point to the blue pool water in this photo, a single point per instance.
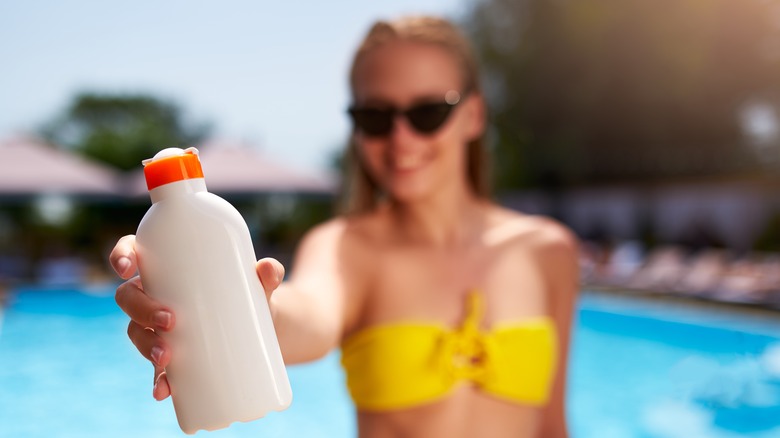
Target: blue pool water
pixel 67 369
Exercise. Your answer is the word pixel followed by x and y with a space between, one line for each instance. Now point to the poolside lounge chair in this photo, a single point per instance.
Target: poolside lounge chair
pixel 662 270
pixel 704 272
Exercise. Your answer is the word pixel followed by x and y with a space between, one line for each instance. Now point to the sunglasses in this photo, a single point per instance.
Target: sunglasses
pixel 424 117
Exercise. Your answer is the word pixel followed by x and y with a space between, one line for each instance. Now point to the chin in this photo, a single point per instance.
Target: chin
pixel 409 193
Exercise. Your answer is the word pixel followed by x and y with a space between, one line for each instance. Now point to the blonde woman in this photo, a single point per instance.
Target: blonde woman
pixel 453 314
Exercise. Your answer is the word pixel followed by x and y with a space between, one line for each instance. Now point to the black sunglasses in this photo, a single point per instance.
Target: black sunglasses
pixel 424 117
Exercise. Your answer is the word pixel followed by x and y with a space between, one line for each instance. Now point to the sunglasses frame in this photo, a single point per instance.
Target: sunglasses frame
pixel 385 126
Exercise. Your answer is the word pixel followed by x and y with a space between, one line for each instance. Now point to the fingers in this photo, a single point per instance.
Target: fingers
pixel 141 308
pixel 123 258
pixel 152 347
pixel 150 344
pixel 145 313
pixel 271 273
pixel 161 388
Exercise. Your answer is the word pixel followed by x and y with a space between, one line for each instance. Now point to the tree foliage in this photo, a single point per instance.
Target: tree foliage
pixel 120 129
pixel 605 90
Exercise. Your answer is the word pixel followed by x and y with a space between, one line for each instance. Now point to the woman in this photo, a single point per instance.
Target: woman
pixel 453 314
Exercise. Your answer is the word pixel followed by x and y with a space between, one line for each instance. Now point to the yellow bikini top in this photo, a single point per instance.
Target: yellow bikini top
pixel 402 365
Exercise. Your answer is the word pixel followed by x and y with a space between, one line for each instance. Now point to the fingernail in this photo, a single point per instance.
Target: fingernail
pixel 123 264
pixel 162 319
pixel 156 354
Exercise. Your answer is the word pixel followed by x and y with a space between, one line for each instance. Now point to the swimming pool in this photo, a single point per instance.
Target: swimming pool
pixel 638 370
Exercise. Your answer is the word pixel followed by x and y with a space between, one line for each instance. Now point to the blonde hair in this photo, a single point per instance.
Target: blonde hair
pixel 360 192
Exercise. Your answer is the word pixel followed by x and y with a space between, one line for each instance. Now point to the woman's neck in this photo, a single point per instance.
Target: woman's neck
pixel 446 219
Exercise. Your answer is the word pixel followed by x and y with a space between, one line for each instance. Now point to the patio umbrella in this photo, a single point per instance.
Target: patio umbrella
pixel 240 169
pixel 30 167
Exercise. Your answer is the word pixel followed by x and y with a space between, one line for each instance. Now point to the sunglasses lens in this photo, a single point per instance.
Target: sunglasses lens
pixel 427 118
pixel 372 121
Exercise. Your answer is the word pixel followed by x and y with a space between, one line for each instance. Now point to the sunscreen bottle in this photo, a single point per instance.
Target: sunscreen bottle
pixel 195 256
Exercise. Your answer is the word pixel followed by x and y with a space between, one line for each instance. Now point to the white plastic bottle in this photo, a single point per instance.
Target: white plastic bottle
pixel 195 256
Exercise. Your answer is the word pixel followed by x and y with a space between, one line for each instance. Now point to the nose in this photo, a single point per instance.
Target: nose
pixel 402 131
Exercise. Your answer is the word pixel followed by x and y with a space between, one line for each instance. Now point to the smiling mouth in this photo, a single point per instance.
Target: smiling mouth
pixel 407 163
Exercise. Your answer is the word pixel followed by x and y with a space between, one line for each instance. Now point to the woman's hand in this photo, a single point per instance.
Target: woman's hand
pixel 148 317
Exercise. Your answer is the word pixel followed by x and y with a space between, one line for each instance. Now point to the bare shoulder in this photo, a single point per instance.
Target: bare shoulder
pixel 553 248
pixel 322 237
pixel 537 234
pixel 337 255
pixel 342 236
pixel 331 229
pixel 541 241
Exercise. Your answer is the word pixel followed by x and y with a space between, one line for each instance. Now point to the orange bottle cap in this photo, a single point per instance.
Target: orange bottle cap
pixel 171 165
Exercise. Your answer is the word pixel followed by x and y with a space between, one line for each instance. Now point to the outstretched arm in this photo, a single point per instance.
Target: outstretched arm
pixel 309 310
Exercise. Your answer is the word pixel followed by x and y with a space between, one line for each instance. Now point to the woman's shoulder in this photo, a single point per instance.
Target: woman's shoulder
pixel 527 232
pixel 351 230
pixel 545 243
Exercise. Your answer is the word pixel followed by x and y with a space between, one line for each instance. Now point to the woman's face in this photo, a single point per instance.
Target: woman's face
pixel 408 164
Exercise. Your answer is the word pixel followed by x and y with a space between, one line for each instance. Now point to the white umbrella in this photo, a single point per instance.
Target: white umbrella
pixel 28 166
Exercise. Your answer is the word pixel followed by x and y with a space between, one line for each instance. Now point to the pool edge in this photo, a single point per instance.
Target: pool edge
pixel 672 308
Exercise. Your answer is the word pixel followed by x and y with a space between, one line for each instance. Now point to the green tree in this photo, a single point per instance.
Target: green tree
pixel 122 129
pixel 605 90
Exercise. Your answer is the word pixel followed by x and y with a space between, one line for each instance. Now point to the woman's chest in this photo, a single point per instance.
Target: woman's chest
pixel 432 285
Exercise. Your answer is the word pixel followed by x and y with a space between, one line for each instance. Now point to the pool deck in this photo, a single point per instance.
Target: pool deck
pixel 672 306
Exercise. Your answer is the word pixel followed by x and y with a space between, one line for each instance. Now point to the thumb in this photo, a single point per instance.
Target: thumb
pixel 271 273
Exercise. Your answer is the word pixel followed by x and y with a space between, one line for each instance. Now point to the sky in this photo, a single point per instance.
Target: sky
pixel 271 74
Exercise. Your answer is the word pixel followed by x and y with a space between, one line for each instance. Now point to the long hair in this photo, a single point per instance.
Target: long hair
pixel 360 193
